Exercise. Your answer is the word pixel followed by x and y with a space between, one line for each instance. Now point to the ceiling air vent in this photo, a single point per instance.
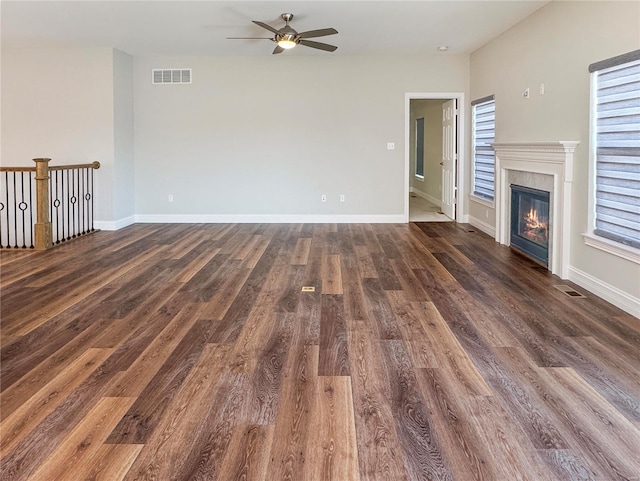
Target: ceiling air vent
pixel 171 76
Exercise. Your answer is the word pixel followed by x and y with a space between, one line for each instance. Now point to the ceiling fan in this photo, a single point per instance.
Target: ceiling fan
pixel 287 37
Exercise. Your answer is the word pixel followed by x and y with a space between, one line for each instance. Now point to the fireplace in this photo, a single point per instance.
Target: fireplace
pixel 530 222
pixel 532 161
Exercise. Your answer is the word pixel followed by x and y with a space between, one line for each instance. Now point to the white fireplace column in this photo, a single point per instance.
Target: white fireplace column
pixel 547 158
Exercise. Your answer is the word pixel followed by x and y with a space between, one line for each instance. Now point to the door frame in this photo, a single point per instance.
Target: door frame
pixel 461 166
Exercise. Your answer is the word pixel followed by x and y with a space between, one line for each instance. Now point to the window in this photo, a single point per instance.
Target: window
pixel 615 149
pixel 483 155
pixel 420 148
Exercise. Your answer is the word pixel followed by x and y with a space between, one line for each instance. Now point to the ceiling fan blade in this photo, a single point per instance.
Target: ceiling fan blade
pixel 318 33
pixel 318 45
pixel 278 50
pixel 264 25
pixel 249 38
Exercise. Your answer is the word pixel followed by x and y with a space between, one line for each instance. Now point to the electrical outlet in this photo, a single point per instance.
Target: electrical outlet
pixel 341 197
pixel 170 197
pixel 391 146
pixel 486 214
pixel 323 198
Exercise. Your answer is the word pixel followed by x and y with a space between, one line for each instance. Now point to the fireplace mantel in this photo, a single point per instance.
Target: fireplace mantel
pixel 547 158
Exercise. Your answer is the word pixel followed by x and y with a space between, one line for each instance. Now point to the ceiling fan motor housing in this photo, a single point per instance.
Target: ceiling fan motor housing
pixel 287 37
pixel 290 37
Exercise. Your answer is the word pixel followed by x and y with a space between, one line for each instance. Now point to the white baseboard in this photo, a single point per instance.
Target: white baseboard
pixel 483 226
pixel 426 196
pixel 268 219
pixel 609 293
pixel 114 225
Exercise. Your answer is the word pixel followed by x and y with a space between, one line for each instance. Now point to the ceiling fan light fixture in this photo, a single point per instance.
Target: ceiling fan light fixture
pixel 287 41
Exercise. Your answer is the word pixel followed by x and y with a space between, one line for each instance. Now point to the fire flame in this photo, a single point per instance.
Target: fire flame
pixel 532 218
pixel 535 226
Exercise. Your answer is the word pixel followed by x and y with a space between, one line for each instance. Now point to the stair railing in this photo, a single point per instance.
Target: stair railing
pixel 59 198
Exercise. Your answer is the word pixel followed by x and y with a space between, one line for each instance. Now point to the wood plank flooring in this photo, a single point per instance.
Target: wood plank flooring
pixel 426 352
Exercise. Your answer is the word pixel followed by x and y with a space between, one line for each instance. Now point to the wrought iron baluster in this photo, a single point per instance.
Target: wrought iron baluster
pixel 92 206
pixel 6 208
pixel 86 200
pixel 53 192
pixel 51 202
pixel 23 207
pixel 9 207
pixel 15 212
pixel 87 196
pixel 57 204
pixel 81 201
pixel 32 205
pixel 68 207
pixel 85 189
pixel 73 203
pixel 61 199
pixel 70 194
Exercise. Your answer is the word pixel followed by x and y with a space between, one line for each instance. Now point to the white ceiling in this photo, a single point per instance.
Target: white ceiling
pixel 200 27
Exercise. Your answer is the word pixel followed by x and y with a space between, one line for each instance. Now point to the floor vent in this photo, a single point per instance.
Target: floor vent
pixel 569 291
pixel 308 289
pixel 171 76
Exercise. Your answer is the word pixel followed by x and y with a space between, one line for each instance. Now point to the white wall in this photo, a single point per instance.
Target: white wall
pixel 555 46
pixel 250 136
pixel 123 172
pixel 269 135
pixel 59 103
pixel 431 111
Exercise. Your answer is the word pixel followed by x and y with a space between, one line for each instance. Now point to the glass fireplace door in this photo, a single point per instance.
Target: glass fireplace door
pixel 530 222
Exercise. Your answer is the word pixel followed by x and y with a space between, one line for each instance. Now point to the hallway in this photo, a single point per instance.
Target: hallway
pixel 421 210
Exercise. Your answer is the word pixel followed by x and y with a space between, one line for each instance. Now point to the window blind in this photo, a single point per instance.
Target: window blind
pixel 617 148
pixel 484 126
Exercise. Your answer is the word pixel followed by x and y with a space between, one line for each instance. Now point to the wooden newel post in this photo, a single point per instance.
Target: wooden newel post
pixel 42 231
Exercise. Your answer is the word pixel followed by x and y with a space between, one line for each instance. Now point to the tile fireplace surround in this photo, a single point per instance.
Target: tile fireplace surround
pixel 551 159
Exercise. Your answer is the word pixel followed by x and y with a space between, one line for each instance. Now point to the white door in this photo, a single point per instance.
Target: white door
pixel 449 158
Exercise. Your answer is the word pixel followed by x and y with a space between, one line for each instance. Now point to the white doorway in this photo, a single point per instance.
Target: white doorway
pixel 449 158
pixel 433 182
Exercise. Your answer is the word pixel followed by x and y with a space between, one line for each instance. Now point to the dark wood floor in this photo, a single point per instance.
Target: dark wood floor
pixel 426 352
